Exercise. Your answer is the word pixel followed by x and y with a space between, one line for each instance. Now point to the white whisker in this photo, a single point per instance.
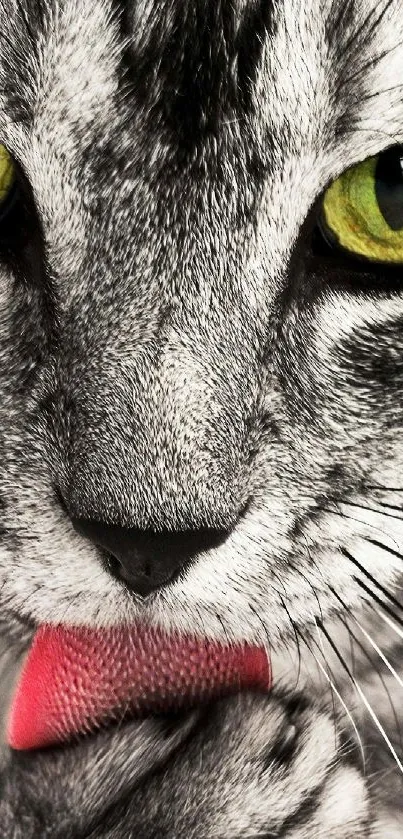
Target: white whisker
pixel 364 699
pixel 390 623
pixel 377 723
pixel 348 712
pixel 379 651
pixel 340 698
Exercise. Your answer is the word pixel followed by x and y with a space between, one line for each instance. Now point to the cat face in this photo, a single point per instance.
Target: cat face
pixel 177 351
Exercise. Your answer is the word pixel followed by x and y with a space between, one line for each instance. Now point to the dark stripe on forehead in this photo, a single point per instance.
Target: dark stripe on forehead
pixel 197 62
pixel 21 25
pixel 52 53
pixel 256 26
pixel 340 20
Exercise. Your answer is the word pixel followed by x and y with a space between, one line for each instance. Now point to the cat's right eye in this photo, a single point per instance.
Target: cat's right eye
pixel 7 179
pixel 362 211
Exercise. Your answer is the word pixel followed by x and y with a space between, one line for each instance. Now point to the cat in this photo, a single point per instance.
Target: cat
pixel 191 346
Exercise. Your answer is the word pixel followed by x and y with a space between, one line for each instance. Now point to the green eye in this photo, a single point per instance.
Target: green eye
pixel 7 174
pixel 362 211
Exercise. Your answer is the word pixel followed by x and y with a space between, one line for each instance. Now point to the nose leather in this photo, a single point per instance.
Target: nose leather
pixel 147 560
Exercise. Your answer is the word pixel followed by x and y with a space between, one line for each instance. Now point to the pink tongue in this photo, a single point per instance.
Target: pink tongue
pixel 76 679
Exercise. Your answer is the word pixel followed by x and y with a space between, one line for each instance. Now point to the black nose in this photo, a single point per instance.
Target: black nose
pixel 144 559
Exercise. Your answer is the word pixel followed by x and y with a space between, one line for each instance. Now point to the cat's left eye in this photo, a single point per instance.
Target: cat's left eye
pixel 362 212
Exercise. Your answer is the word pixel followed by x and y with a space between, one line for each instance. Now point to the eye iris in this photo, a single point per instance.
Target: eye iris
pixel 389 187
pixel 349 206
pixel 362 210
pixel 6 173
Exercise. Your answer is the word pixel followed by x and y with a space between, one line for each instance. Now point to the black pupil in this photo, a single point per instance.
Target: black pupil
pixel 389 186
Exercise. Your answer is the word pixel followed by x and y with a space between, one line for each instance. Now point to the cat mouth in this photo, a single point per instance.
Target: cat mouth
pixel 76 680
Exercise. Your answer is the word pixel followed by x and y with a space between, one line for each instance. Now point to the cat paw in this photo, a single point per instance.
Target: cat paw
pixel 266 767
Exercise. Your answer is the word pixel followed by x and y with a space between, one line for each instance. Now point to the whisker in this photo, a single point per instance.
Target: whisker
pixel 373 644
pixel 390 623
pixel 363 697
pixel 365 652
pixel 378 600
pixel 372 579
pixel 294 627
pixel 384 547
pixel 383 487
pixel 379 651
pixel 390 506
pixel 378 725
pixel 360 521
pixel 265 630
pixel 309 582
pixel 337 693
pixel 332 692
pixel 372 510
pixel 221 622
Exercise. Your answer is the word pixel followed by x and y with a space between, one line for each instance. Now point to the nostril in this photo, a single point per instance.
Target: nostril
pixel 147 560
pixel 143 580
